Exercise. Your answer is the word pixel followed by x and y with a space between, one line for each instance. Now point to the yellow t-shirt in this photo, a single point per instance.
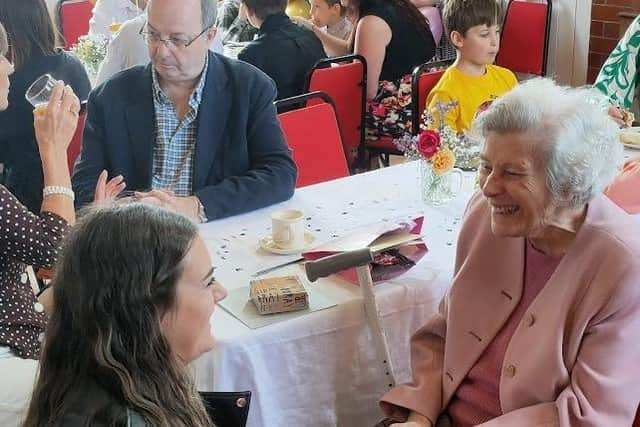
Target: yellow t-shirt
pixel 470 92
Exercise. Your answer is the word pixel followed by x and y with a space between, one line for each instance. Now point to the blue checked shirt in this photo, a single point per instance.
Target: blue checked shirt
pixel 175 140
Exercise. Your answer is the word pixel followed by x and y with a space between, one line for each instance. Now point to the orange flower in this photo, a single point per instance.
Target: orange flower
pixel 443 161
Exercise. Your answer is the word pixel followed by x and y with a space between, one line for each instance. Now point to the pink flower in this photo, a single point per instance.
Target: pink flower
pixel 379 110
pixel 428 143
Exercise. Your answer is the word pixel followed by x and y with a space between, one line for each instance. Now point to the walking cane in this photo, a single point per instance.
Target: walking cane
pixel 359 259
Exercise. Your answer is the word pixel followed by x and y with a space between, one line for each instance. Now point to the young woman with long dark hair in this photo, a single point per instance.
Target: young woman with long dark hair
pixel 133 297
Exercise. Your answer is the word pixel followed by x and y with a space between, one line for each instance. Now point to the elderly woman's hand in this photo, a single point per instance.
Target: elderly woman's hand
pixel 56 123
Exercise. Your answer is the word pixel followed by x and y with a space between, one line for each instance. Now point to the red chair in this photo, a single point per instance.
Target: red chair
pixel 525 37
pixel 313 134
pixel 73 150
pixel 344 79
pixel 423 79
pixel 74 16
pixel 636 422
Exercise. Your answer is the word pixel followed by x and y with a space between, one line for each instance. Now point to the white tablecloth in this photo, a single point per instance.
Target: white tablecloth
pixel 321 369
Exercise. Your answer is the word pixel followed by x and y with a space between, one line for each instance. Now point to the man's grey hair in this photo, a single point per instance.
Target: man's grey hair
pixel 576 139
pixel 209 10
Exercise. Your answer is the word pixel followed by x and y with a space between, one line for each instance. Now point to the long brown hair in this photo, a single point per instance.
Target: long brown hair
pixel 115 280
pixel 29 29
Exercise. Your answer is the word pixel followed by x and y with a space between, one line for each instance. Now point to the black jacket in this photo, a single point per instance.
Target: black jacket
pixel 286 52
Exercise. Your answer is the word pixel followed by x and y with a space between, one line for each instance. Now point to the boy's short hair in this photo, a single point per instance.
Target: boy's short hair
pixel 460 15
pixel 332 3
pixel 265 8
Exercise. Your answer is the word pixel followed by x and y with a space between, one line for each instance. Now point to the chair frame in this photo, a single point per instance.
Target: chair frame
pixel 545 50
pixel 300 101
pixel 415 87
pixel 60 24
pixel 328 62
pixel 296 101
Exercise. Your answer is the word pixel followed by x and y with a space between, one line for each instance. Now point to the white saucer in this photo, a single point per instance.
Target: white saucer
pixel 269 245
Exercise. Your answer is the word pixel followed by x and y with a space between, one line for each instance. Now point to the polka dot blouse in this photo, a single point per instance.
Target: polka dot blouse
pixel 25 239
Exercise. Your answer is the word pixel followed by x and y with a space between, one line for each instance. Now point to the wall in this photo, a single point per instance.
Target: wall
pixel 569 41
pixel 605 30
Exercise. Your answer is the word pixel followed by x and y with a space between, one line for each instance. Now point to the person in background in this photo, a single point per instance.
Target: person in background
pixel 328 16
pixel 472 80
pixel 33 53
pixel 286 52
pixel 232 24
pixel 552 336
pixel 108 12
pixel 128 49
pixel 193 131
pixel 28 238
pixel 394 38
pixel 133 297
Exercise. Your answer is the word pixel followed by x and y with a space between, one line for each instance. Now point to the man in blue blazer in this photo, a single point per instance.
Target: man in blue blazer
pixel 193 131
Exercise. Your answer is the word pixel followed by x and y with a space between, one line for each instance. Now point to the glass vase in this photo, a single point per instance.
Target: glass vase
pixel 438 188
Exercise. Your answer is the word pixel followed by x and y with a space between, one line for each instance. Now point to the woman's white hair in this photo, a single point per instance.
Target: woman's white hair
pixel 576 139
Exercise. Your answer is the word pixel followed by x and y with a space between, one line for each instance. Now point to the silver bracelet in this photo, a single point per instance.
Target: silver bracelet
pixel 51 190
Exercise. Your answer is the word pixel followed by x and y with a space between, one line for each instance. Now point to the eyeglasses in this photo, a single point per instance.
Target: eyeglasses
pixel 152 37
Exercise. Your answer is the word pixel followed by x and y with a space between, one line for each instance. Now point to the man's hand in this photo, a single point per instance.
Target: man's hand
pixel 187 206
pixel 106 192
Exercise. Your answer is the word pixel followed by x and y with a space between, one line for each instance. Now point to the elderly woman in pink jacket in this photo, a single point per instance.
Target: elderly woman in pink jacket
pixel 541 326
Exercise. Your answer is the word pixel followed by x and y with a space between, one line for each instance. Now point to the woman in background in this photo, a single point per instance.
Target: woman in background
pixel 30 239
pixel 33 53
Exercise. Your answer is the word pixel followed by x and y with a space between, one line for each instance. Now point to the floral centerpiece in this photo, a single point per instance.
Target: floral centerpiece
pixel 436 149
pixel 91 50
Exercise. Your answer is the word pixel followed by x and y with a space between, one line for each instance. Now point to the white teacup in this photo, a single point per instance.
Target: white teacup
pixel 287 228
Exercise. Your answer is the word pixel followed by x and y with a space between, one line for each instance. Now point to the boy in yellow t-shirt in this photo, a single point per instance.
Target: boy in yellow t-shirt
pixel 472 80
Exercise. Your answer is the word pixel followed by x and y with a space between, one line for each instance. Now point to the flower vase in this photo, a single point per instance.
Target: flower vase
pixel 438 188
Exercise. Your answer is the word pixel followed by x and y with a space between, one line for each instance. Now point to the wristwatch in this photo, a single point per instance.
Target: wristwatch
pixel 202 215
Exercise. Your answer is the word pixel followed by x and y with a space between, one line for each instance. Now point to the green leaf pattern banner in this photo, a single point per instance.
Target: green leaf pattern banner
pixel 619 75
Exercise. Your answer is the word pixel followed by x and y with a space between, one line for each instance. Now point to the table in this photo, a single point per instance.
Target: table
pixel 321 369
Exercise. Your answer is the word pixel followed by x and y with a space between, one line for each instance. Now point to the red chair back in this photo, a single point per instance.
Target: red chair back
pixel 313 135
pixel 424 78
pixel 74 18
pixel 344 80
pixel 73 150
pixel 525 37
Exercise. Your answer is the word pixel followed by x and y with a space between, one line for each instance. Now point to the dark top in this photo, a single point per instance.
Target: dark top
pixel 90 404
pixel 407 48
pixel 19 153
pixel 241 160
pixel 286 52
pixel 25 239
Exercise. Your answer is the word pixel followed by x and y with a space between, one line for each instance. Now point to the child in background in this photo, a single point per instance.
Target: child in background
pixel 472 80
pixel 329 21
pixel 331 15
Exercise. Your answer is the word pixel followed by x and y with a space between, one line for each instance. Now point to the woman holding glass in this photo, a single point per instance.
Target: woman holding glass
pixel 31 239
pixel 33 53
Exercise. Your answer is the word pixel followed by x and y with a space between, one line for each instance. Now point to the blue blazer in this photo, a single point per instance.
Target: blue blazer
pixel 241 161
